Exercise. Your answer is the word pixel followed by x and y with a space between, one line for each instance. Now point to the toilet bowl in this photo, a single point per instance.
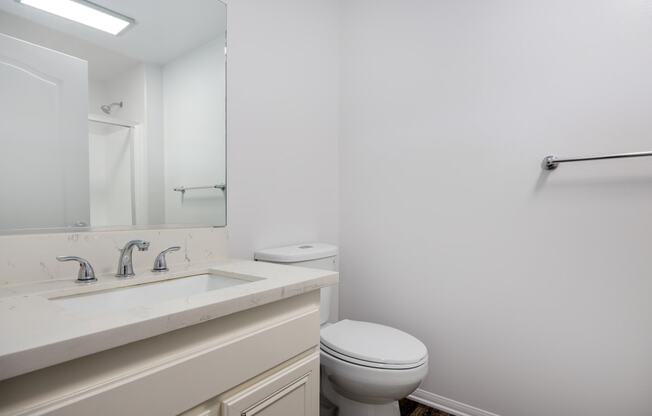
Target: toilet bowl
pixel 366 367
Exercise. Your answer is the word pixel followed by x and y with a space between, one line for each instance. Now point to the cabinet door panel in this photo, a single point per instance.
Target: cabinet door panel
pixel 292 391
pixel 291 400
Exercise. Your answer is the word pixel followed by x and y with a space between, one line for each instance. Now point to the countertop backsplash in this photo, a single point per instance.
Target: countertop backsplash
pixel 32 257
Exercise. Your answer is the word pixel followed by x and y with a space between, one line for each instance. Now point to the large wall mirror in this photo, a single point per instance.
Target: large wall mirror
pixel 112 114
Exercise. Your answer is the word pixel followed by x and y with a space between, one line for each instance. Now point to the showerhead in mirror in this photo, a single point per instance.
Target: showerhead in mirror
pixel 108 107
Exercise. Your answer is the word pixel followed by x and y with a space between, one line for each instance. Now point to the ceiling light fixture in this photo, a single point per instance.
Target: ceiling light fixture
pixel 84 12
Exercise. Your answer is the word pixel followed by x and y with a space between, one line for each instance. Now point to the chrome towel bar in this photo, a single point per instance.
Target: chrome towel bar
pixel 183 189
pixel 552 162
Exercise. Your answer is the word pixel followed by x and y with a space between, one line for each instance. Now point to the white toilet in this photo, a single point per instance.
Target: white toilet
pixel 366 367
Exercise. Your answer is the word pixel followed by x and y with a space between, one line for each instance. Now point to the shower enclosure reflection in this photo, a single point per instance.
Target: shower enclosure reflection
pixel 113 124
pixel 113 164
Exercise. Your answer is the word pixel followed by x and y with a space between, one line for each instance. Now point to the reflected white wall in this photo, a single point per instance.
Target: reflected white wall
pixel 114 77
pixel 193 87
pixel 170 103
pixel 152 136
pixel 140 90
pixel 43 97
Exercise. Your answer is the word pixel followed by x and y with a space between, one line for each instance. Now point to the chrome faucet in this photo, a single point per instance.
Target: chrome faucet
pixel 125 264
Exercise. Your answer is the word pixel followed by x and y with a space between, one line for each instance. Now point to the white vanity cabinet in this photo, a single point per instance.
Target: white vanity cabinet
pixel 263 361
pixel 292 389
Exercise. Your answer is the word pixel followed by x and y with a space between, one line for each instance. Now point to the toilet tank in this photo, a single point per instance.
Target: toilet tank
pixel 313 255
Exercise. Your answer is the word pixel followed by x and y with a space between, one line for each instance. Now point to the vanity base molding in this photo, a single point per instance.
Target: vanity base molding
pixel 257 362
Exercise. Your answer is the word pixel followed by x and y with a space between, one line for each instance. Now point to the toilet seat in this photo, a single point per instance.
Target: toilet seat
pixel 325 350
pixel 372 345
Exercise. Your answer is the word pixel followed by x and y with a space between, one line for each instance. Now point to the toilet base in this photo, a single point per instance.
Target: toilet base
pixel 347 407
pixel 334 404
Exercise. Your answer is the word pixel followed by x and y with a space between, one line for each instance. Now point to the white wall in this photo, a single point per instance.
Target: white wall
pixel 531 291
pixel 193 114
pixel 282 123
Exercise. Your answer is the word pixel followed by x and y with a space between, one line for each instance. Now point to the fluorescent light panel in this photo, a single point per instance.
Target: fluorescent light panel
pixel 84 12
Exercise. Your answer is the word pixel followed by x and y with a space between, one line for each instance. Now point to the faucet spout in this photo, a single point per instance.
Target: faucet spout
pixel 125 263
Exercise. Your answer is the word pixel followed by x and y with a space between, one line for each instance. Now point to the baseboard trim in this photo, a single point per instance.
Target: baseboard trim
pixel 447 405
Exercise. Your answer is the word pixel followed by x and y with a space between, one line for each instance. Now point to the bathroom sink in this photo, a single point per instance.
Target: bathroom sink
pixel 145 294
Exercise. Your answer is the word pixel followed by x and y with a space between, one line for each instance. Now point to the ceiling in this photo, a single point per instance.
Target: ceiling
pixel 103 64
pixel 164 29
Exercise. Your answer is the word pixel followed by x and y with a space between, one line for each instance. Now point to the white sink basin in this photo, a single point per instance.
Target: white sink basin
pixel 145 294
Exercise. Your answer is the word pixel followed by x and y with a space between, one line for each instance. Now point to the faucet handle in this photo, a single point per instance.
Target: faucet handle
pixel 86 273
pixel 160 264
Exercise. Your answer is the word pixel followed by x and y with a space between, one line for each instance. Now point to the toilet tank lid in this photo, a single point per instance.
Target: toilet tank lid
pixel 297 253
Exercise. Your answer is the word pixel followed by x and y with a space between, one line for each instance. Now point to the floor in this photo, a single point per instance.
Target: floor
pixel 410 408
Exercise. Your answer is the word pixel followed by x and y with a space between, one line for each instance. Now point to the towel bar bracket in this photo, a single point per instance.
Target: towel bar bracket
pixel 549 163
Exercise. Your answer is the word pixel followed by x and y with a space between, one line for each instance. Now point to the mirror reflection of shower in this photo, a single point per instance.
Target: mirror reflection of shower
pixel 115 165
pixel 107 108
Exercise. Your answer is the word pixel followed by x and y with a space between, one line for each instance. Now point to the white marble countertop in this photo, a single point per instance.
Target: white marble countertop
pixel 36 332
